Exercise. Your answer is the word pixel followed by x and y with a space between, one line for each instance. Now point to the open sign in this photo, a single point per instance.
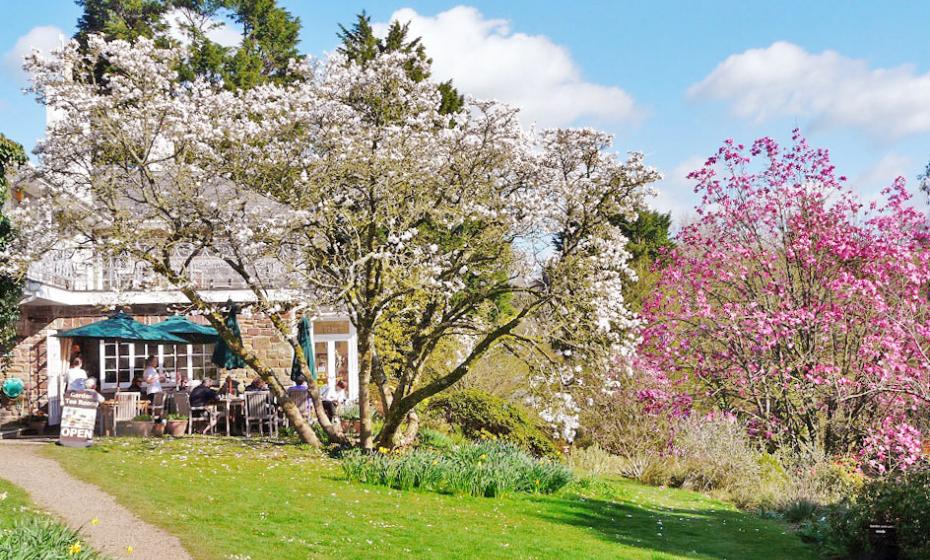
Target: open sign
pixel 78 418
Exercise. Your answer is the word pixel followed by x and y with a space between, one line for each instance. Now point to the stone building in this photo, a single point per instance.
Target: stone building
pixel 68 289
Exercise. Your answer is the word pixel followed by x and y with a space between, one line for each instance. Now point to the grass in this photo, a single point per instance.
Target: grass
pixel 29 534
pixel 233 499
pixel 14 504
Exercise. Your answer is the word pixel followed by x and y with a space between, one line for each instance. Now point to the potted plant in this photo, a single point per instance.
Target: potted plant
pixel 176 425
pixel 351 419
pixel 158 427
pixel 140 426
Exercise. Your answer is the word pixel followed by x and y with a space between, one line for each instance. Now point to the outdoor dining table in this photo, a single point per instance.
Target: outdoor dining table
pixel 228 403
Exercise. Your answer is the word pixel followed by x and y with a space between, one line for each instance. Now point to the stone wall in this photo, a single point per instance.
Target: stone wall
pixel 29 358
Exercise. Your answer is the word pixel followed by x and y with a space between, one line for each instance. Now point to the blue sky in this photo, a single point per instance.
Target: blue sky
pixel 670 79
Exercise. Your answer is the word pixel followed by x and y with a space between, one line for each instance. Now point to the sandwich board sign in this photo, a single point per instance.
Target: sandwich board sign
pixel 78 418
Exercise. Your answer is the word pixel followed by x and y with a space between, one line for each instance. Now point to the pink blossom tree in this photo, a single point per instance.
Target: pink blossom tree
pixel 793 304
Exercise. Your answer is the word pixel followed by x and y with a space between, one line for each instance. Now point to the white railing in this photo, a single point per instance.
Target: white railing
pixel 80 270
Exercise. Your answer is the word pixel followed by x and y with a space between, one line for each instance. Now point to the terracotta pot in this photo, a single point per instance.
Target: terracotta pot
pixel 158 429
pixel 38 426
pixel 138 428
pixel 354 426
pixel 176 428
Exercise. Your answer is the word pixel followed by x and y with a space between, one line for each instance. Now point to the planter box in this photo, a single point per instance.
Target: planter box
pixel 176 428
pixel 138 428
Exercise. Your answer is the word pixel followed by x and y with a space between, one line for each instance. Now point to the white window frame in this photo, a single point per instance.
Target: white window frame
pixel 171 382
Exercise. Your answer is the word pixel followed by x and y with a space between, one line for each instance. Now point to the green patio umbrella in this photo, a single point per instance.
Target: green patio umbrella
pixel 122 326
pixel 303 339
pixel 185 328
pixel 223 356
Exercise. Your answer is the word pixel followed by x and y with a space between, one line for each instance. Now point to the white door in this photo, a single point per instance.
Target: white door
pixel 53 367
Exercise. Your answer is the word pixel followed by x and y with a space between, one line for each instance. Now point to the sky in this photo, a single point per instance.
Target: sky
pixel 670 79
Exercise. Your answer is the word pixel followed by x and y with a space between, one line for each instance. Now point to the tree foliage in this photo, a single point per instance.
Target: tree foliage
pixel 12 156
pixel 360 45
pixel 350 188
pixel 792 304
pixel 269 36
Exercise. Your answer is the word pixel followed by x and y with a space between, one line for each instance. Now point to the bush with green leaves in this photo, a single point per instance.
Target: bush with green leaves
pixel 902 501
pixel 36 537
pixel 483 416
pixel 486 469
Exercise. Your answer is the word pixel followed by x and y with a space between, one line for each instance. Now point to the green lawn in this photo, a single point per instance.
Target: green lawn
pixel 14 504
pixel 233 499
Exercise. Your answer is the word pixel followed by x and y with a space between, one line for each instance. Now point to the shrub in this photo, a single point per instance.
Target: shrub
pixel 482 416
pixel 478 469
pixel 594 461
pixel 41 538
pixel 716 453
pixel 902 501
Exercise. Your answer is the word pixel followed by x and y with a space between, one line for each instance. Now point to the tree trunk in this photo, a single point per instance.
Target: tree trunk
pixel 389 432
pixel 364 386
pixel 333 431
pixel 291 412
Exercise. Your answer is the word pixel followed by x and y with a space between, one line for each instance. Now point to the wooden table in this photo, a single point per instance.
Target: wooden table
pixel 228 403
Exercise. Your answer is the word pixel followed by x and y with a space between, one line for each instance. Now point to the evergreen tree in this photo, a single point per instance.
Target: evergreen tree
pixel 270 35
pixel 648 238
pixel 360 45
pixel 12 156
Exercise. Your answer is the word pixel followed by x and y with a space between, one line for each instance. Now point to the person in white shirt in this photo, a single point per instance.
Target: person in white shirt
pixel 76 377
pixel 91 385
pixel 333 399
pixel 152 378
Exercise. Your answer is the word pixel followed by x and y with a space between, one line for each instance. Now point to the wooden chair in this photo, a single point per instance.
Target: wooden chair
pixel 301 399
pixel 127 408
pixel 260 410
pixel 182 401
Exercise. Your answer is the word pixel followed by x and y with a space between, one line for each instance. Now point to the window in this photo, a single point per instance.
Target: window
pixel 115 363
pixel 201 361
pixel 122 361
pixel 319 349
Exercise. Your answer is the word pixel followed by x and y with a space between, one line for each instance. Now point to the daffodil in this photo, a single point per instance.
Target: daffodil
pixel 129 550
pixel 74 549
pixel 95 522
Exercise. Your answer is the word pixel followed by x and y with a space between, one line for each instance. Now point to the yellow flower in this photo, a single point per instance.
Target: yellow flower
pixel 95 522
pixel 384 450
pixel 435 461
pixel 483 456
pixel 74 549
pixel 129 550
pixel 537 482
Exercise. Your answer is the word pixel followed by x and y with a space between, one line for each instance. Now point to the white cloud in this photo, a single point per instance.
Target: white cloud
pixel 676 192
pixel 830 89
pixel 44 38
pixel 217 31
pixel 487 59
pixel 881 174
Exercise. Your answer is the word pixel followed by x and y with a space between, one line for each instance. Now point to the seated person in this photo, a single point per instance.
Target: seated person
pixel 135 386
pixel 257 384
pixel 333 399
pixel 300 384
pixel 230 386
pixel 203 394
pixel 91 385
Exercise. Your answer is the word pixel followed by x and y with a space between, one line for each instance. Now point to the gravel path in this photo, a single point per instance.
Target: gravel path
pixel 77 503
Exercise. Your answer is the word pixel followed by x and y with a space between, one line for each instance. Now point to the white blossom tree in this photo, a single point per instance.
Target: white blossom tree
pixel 350 189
